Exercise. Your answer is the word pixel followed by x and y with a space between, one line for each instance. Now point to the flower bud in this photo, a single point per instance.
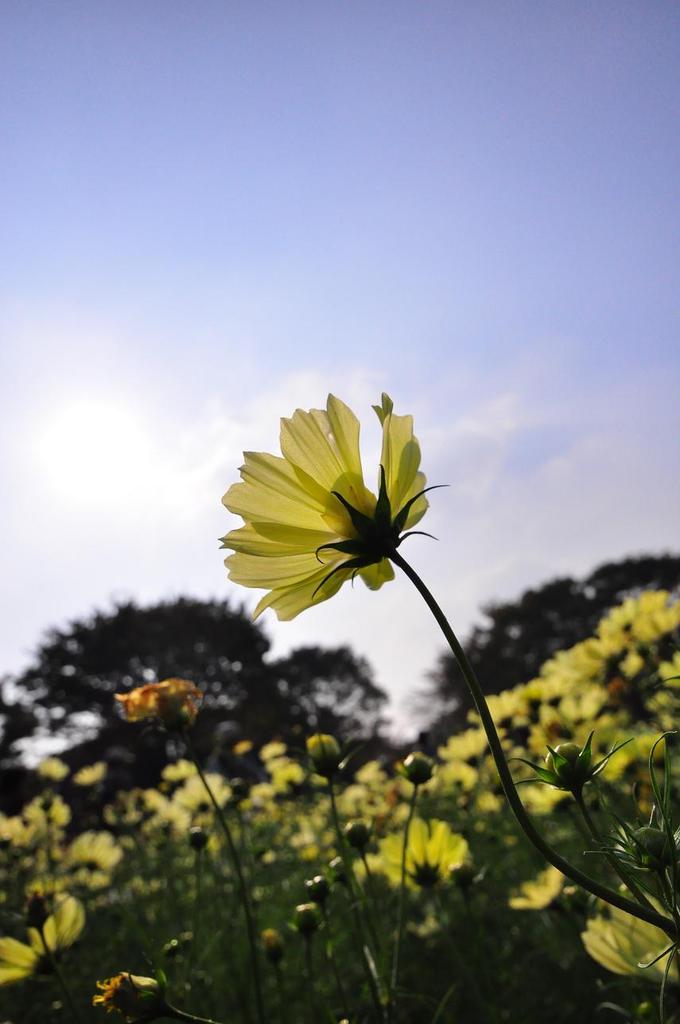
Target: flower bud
pixel 337 870
pixel 307 918
pixel 358 834
pixel 239 789
pixel 570 764
pixel 417 768
pixel 272 944
pixel 653 847
pixel 317 889
pixel 463 874
pixel 198 838
pixel 36 910
pixel 324 753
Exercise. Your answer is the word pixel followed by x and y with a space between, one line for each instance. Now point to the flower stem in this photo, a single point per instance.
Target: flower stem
pixel 281 994
pixel 394 978
pixel 309 973
pixel 243 888
pixel 60 978
pixel 198 878
pixel 330 957
pixel 188 1018
pixel 603 892
pixel 356 904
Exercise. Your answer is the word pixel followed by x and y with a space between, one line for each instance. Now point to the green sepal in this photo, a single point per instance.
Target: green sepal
pixel 352 563
pixel 402 514
pixel 543 774
pixel 361 522
pixel 597 768
pixel 383 512
pixel 345 547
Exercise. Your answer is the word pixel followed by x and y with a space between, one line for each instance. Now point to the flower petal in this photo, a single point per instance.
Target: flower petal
pixel 375 575
pixel 271 491
pixel 400 458
pixel 267 539
pixel 331 460
pixel 62 928
pixel 276 571
pixel 17 961
pixel 288 602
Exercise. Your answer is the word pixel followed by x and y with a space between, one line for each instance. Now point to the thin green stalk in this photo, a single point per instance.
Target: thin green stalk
pixel 372 902
pixel 603 892
pixel 188 1018
pixel 309 972
pixel 485 1006
pixel 196 922
pixel 60 978
pixel 356 905
pixel 394 978
pixel 330 956
pixel 281 994
pixel 243 888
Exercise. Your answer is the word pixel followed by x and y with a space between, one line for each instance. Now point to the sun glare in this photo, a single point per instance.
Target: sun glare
pixel 93 451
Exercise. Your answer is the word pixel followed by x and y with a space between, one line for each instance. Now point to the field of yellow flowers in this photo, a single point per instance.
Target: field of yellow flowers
pixel 149 910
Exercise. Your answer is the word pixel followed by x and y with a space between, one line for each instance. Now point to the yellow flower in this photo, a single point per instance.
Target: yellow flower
pixel 173 702
pixel 620 943
pixel 179 770
pixel 538 893
pixel 92 856
pixel 133 996
pixel 193 797
pixel 242 747
pixel 19 960
pixel 310 522
pixel 272 750
pixel 53 768
pixel 432 850
pixel 90 774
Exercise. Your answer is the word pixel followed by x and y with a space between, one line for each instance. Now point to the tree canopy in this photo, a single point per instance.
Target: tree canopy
pixel 67 690
pixel 518 636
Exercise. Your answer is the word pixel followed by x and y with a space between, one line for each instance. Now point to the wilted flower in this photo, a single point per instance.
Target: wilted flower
pixel 132 995
pixel 310 522
pixel 174 702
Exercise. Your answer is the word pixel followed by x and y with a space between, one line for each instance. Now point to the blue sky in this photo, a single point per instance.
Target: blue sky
pixel 214 212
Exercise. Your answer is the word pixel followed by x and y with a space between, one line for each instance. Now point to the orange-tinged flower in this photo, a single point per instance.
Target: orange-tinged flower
pixel 174 702
pixel 135 997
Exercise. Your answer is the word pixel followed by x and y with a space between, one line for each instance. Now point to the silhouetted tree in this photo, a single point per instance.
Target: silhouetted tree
pixel 518 636
pixel 68 689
